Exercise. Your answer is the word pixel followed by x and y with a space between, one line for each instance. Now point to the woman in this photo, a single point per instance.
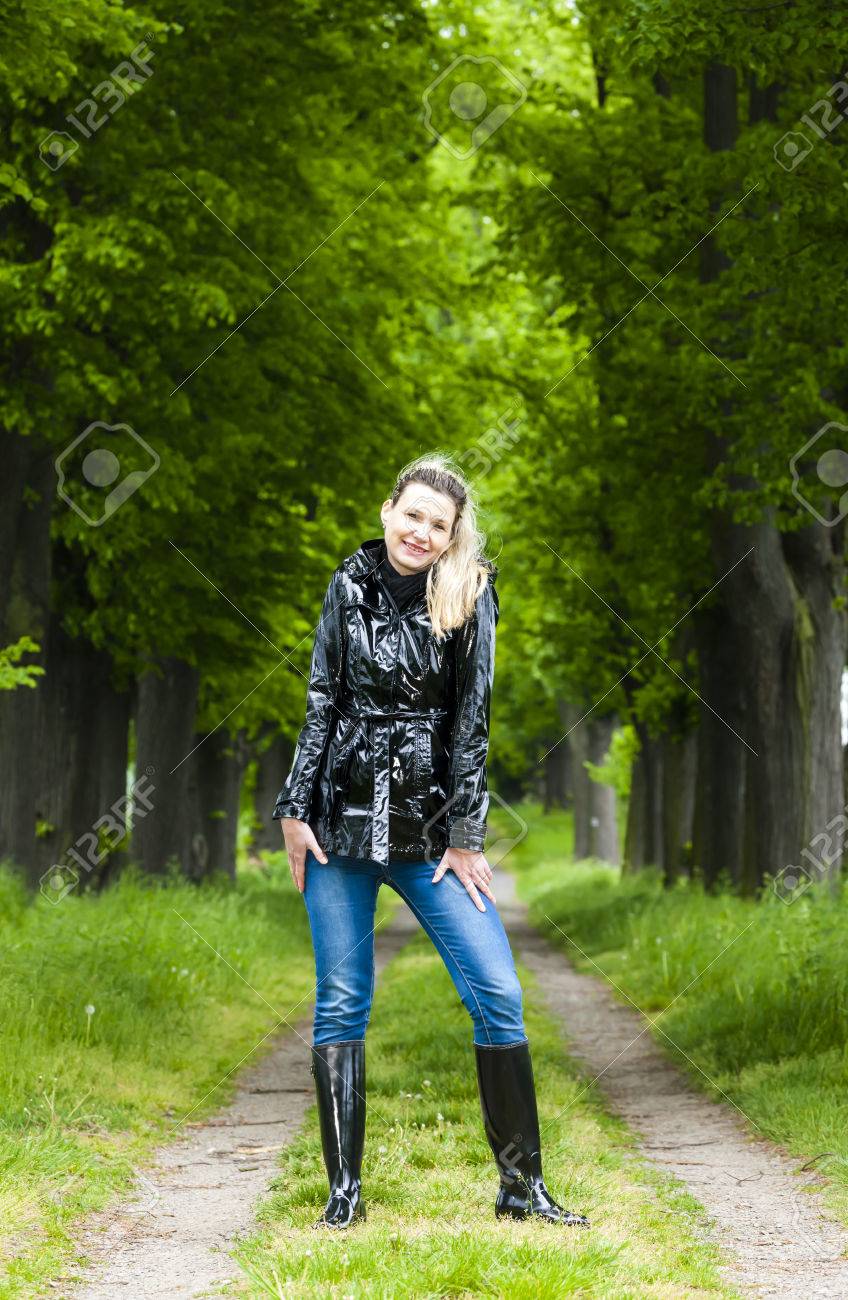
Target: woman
pixel 388 783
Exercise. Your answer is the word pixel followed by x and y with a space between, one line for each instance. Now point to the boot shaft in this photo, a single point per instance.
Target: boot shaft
pixel 339 1072
pixel 510 1116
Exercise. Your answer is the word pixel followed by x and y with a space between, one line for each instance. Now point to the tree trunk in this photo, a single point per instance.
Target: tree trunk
pixel 720 814
pixel 566 761
pixel 578 741
pixel 794 677
pixel 556 778
pixel 719 821
pixel 643 840
pixel 595 830
pixel 772 652
pixel 272 767
pixel 112 712
pixel 603 824
pixel 218 764
pixel 815 557
pixel 165 739
pixel 782 642
pixel 679 757
pixel 81 772
pixel 26 496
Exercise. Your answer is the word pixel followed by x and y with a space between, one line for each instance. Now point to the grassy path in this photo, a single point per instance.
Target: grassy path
pixel 185 984
pixel 430 1182
pixel 750 998
pixel 778 1241
pixel 201 1192
pixel 122 1018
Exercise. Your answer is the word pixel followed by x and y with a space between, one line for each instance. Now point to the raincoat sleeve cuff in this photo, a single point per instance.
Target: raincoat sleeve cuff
pixel 290 808
pixel 466 833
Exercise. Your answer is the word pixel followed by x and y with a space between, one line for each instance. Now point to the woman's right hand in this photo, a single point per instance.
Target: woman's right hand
pixel 299 839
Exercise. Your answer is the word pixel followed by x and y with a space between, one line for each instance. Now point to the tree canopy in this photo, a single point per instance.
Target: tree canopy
pixel 257 258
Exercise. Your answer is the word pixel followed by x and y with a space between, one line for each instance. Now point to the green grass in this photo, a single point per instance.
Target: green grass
pixel 429 1180
pixel 176 975
pixel 170 972
pixel 757 992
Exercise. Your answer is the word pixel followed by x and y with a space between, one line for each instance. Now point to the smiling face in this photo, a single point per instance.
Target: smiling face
pixel 418 528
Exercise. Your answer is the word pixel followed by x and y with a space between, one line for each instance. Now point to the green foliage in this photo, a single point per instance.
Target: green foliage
pixel 289 286
pixel 617 767
pixel 650 394
pixel 131 277
pixel 13 674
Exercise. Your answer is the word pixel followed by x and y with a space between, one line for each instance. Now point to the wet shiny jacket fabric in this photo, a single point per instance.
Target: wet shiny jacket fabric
pixel 390 763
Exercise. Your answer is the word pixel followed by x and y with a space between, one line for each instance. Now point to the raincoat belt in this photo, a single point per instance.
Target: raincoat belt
pixel 391 713
pixel 381 767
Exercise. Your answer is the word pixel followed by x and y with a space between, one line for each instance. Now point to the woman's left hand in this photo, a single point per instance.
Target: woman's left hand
pixel 473 870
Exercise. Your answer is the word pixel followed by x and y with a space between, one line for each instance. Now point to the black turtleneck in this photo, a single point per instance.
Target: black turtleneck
pixel 403 586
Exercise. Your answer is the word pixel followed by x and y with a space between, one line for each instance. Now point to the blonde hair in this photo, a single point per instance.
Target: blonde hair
pixel 460 574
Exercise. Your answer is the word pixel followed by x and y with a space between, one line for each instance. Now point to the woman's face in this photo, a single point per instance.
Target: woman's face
pixel 418 528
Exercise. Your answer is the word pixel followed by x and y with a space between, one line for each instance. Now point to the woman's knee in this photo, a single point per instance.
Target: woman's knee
pixel 342 1010
pixel 509 996
pixel 340 904
pixel 498 1010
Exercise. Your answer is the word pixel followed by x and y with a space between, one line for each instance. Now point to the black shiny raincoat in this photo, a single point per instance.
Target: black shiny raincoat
pixel 390 763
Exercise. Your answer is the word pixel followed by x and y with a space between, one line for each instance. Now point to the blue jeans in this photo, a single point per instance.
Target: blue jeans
pixel 341 896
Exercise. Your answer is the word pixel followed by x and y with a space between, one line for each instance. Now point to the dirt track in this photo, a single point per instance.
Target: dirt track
pixel 172 1238
pixel 779 1242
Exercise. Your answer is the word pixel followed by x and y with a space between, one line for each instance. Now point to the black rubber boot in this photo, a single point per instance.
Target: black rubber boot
pixel 339 1070
pixel 511 1121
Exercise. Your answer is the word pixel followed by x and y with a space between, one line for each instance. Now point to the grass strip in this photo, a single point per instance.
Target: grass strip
pixel 123 1016
pixel 756 991
pixel 429 1180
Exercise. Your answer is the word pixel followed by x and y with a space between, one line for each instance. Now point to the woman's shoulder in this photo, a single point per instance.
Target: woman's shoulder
pixel 490 589
pixel 487 605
